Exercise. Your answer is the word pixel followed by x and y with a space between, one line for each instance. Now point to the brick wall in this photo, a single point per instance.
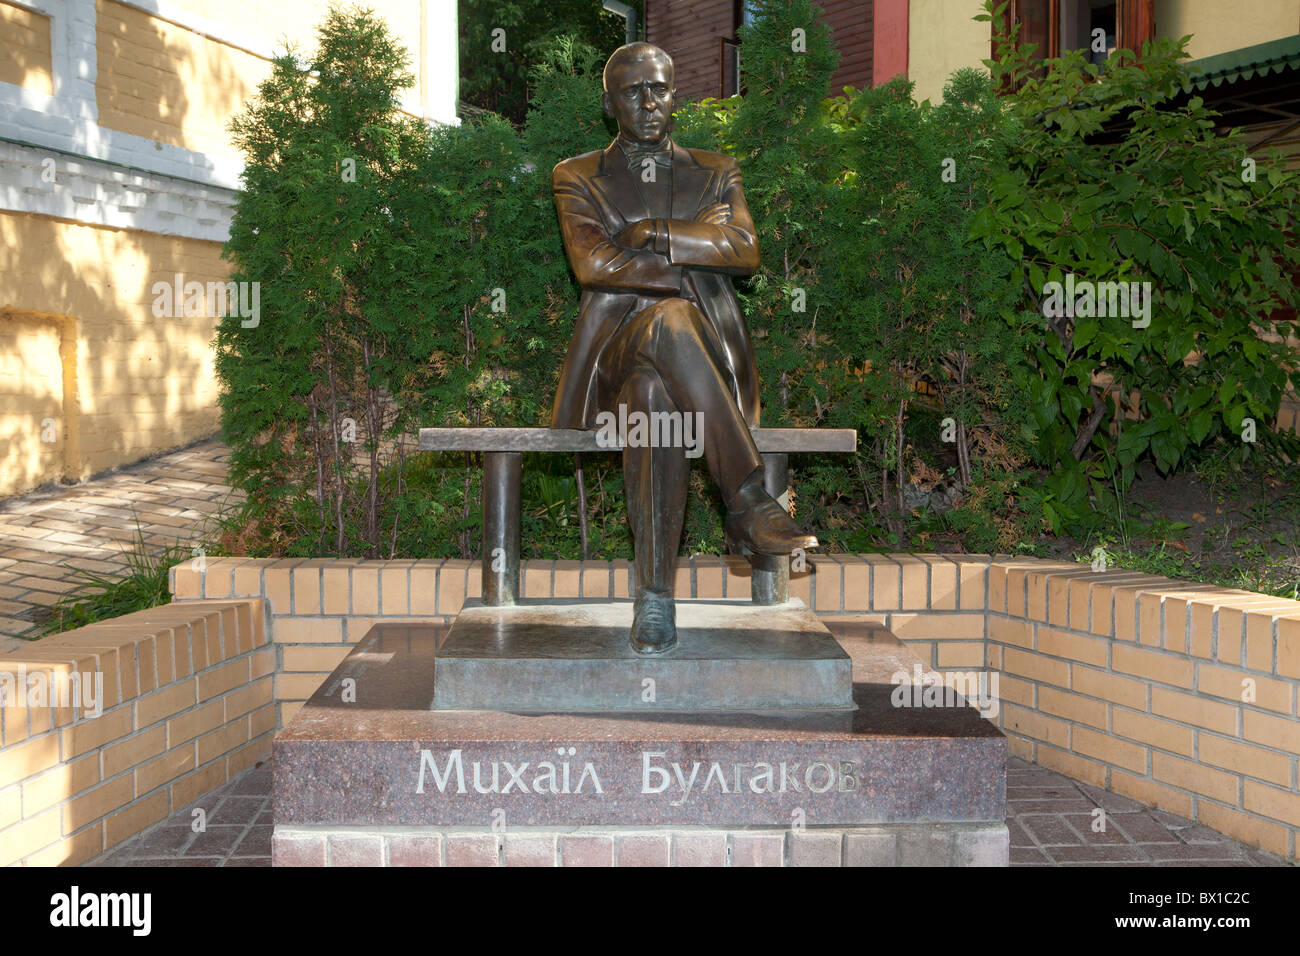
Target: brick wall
pixel 1127 681
pixel 120 383
pixel 319 607
pixel 127 179
pixel 1179 695
pixel 186 705
pixel 169 84
pixel 25 55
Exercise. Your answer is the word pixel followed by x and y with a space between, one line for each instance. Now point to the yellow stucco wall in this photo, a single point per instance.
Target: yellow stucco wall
pixel 25 49
pixel 293 18
pixel 942 38
pixel 77 328
pixel 1217 26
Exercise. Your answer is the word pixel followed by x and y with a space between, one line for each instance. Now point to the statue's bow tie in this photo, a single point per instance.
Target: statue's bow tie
pixel 662 156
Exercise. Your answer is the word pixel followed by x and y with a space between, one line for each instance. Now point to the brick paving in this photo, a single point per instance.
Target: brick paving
pixel 1052 818
pixel 236 830
pixel 1049 815
pixel 47 534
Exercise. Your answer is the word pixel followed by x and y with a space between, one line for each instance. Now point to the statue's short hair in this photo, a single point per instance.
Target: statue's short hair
pixel 630 53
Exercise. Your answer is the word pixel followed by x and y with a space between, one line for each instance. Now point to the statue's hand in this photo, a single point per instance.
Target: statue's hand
pixel 718 214
pixel 635 235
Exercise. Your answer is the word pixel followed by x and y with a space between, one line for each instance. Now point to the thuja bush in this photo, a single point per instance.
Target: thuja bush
pixel 409 276
pixel 315 388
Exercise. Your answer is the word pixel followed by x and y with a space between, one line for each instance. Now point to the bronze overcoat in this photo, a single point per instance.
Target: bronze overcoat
pixel 596 196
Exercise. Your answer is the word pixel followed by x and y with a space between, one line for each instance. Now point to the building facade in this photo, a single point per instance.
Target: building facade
pixel 927 40
pixel 117 172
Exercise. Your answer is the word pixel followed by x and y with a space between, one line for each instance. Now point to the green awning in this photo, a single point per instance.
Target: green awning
pixel 1274 56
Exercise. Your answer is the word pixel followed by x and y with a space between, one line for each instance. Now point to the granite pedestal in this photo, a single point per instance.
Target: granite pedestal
pixel 369 772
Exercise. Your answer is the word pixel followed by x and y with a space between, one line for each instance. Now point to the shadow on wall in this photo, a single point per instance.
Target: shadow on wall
pixel 25 55
pixel 166 83
pixel 90 376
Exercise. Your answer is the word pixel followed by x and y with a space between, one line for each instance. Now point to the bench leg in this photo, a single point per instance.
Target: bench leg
pixel 502 475
pixel 770 583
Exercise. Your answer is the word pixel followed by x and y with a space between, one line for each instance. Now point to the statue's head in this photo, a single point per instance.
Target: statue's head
pixel 639 91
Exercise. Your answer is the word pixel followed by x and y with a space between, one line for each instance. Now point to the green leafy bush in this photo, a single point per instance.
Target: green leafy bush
pixel 905 250
pixel 1118 177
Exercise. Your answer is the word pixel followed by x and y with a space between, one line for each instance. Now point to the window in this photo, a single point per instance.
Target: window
pixel 729 79
pixel 1098 27
pixel 1089 25
pixel 728 66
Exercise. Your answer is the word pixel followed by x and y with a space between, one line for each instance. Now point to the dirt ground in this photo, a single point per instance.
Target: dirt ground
pixel 1240 528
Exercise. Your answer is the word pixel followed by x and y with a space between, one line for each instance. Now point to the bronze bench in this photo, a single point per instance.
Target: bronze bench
pixel 503 450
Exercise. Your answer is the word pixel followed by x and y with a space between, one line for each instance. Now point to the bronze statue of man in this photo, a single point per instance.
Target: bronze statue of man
pixel 654 231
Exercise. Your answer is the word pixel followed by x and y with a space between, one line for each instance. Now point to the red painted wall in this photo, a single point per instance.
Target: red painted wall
pixel 890 41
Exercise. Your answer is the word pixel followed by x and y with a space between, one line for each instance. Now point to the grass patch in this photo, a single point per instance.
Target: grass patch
pixel 98 597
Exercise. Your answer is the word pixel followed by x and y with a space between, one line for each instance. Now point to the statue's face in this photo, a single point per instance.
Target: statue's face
pixel 640 98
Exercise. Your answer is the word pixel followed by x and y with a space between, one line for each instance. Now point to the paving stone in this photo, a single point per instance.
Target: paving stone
pixel 1021 794
pixel 215 841
pixel 1096 853
pixel 1050 830
pixel 255 842
pixel 1022 807
pixel 1203 851
pixel 1172 820
pixel 1201 834
pixel 1143 828
pixel 235 809
pixel 46 535
pixel 1085 824
pixel 1111 802
pixel 165 841
pixel 1263 858
pixel 187 861
pixel 255 784
pixel 1029 856
pixel 1019 835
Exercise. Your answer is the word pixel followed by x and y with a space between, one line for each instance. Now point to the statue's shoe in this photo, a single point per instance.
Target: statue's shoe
pixel 764 527
pixel 654 623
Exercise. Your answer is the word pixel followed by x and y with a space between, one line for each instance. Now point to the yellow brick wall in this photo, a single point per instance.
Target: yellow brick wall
pixel 34 430
pixel 167 83
pixel 1179 695
pixel 185 706
pixel 141 384
pixel 25 49
pixel 296 18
